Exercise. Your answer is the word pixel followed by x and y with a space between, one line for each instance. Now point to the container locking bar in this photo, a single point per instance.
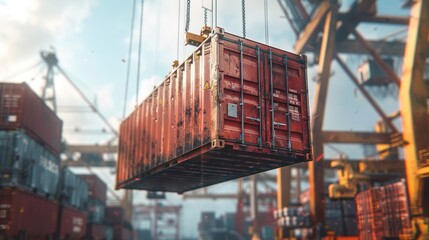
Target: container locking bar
pixel 242 92
pixel 258 54
pixel 289 144
pixel 273 133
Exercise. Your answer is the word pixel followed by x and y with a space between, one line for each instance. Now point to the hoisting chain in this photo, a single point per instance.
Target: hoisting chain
pixel 188 13
pixel 243 11
pixel 205 16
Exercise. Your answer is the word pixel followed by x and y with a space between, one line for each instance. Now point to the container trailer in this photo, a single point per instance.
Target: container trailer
pixel 21 108
pixel 235 107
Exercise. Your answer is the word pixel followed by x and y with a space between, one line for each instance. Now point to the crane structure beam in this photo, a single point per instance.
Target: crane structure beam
pixel 414 109
pixel 81 163
pixel 389 72
pixel 284 178
pixel 355 137
pixel 366 94
pixel 310 31
pixel 316 169
pixel 92 148
pixel 375 19
pixel 391 48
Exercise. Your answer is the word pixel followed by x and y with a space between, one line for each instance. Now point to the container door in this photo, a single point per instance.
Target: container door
pixel 243 93
pixel 276 106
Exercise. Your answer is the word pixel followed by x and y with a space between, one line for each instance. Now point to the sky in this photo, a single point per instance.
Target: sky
pixel 91 39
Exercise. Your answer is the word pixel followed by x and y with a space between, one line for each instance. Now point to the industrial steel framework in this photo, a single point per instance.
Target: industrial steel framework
pixel 156 212
pixel 323 30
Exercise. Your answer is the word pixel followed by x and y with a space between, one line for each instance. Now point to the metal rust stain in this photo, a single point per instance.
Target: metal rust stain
pixel 192 127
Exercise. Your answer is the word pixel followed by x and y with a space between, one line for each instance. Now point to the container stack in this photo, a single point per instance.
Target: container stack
pixel 96 206
pixel 396 220
pixel 115 217
pixel 30 144
pixel 340 217
pixel 73 198
pixel 369 214
pixel 384 212
pixel 293 217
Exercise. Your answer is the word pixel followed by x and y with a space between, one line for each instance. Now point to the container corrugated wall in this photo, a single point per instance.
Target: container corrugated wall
pixel 73 223
pixel 17 206
pixel 21 108
pixel 96 187
pixel 25 163
pixel 220 115
pixel 73 190
pixel 96 211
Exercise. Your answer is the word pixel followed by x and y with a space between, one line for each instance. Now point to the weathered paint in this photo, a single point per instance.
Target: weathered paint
pixel 21 108
pixel 222 114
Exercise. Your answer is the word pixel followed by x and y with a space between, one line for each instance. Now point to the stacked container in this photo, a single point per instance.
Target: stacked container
pixel 293 217
pixel 24 214
pixel 26 164
pixel 384 212
pixel 396 216
pixel 30 144
pixel 21 108
pixel 96 206
pixel 73 190
pixel 369 214
pixel 115 217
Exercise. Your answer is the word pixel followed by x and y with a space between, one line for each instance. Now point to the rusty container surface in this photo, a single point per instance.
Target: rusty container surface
pixel 21 108
pixel 96 187
pixel 96 231
pixel 122 232
pixel 115 215
pixel 234 108
pixel 27 214
pixel 72 224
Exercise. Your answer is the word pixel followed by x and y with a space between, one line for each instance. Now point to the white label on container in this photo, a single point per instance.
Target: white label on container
pixel 49 165
pixel 294 112
pixel 3 213
pixel 293 99
pixel 12 118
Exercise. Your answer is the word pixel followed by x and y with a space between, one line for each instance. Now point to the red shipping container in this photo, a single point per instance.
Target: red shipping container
pixel 115 215
pixel 96 187
pixel 21 108
pixel 73 223
pixel 95 231
pixel 234 108
pixel 121 232
pixel 26 214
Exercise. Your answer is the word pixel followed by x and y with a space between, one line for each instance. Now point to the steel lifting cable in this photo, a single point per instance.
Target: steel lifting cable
pixel 139 52
pixel 178 30
pixel 205 16
pixel 243 12
pixel 188 13
pixel 267 36
pixel 130 50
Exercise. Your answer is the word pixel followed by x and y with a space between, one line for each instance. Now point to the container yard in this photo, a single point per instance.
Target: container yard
pixel 214 120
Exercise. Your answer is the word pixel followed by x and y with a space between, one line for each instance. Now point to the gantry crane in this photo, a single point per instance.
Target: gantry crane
pixel 324 31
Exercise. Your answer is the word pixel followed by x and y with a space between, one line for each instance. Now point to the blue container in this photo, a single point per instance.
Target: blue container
pixel 96 210
pixel 73 190
pixel 26 164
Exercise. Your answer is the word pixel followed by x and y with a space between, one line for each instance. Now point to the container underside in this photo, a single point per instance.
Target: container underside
pixel 209 168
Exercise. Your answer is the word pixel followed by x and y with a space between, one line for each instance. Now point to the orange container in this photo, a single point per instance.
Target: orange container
pixel 221 114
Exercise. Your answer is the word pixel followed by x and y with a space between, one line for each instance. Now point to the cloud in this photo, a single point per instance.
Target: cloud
pixel 29 25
